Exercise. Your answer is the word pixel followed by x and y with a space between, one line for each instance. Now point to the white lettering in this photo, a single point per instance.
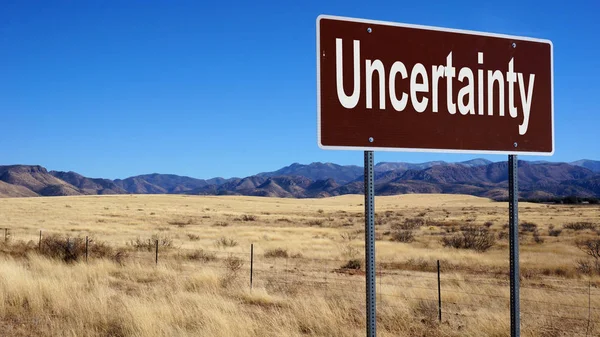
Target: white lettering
pixel 450 73
pixel 397 67
pixel 469 80
pixel 495 76
pixel 437 72
pixel 511 78
pixel 415 87
pixel 468 90
pixel 480 80
pixel 369 69
pixel 348 102
pixel 525 101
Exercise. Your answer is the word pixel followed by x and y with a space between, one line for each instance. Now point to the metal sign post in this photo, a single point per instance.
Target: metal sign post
pixel 513 210
pixel 370 244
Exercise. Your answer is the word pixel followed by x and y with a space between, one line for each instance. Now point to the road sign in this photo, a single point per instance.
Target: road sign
pixel 398 87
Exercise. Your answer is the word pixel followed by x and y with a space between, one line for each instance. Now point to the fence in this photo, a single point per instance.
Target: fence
pixel 441 295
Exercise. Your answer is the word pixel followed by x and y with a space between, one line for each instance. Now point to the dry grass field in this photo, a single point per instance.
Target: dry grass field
pixel 308 277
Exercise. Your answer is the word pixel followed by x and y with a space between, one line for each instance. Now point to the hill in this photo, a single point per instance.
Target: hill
pixel 476 177
pixel 319 171
pixel 160 183
pixel 89 185
pixel 593 165
pixel 36 179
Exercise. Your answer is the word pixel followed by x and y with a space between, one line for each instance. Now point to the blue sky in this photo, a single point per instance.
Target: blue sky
pixel 217 88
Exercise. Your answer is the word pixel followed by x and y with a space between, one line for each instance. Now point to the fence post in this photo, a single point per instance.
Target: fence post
pixel 251 263
pixel 86 249
pixel 157 252
pixel 439 293
pixel 40 242
pixel 5 234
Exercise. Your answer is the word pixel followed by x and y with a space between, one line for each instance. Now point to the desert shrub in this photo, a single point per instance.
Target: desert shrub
pixel 247 217
pixel 380 220
pixel 284 220
pixel 180 223
pixel 410 224
pixel 403 236
pixel 554 232
pixel 422 214
pixel 315 222
pixel 471 237
pixel 221 224
pixel 588 267
pixel 590 247
pixel 193 237
pixel 320 211
pixel 419 264
pixel 349 251
pixel 141 244
pixel 579 226
pixel 537 238
pixel 488 224
pixel 354 264
pixel 296 256
pixel 276 253
pixel 201 255
pixel 149 244
pixel 19 249
pixel 120 256
pixel 164 240
pixel 349 236
pixel 72 249
pixel 435 223
pixel 224 242
pixel 233 264
pixel 528 227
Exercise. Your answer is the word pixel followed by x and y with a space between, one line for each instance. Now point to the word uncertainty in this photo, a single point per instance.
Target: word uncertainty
pixel 475 86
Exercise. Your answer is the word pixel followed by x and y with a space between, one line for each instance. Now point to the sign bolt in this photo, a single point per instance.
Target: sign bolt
pixel 514 45
pixel 515 144
pixel 371 139
pixel 369 30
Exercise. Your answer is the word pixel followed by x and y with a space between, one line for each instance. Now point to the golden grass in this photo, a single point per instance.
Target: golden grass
pixel 305 293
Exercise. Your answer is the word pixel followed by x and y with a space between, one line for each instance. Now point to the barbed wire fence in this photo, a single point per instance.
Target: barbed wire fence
pixel 441 295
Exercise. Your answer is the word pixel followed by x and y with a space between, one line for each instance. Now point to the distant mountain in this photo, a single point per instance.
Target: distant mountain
pixel 319 171
pixel 160 183
pixel 10 190
pixel 474 177
pixel 36 179
pixel 593 165
pixel 384 166
pixel 89 185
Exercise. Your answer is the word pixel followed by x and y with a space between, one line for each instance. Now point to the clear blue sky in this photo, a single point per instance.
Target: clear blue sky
pixel 217 88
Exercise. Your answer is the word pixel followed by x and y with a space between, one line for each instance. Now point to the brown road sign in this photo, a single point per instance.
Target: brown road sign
pixel 389 86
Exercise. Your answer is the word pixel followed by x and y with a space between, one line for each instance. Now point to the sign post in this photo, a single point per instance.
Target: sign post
pixel 513 224
pixel 370 244
pixel 399 87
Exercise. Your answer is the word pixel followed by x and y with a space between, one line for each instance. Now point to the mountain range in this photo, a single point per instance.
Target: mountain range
pixel 480 177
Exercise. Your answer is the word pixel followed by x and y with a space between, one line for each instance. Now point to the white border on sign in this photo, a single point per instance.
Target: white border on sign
pixel 449 30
